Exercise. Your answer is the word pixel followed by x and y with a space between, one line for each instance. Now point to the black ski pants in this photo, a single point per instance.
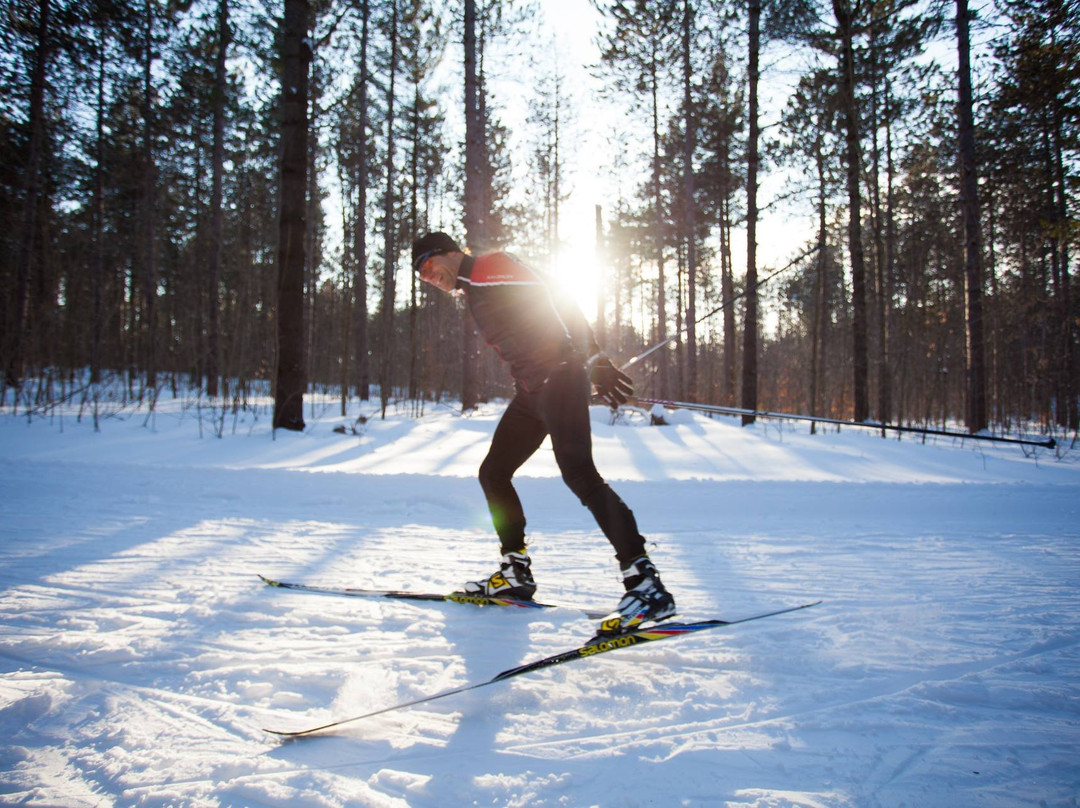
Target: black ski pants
pixel 560 409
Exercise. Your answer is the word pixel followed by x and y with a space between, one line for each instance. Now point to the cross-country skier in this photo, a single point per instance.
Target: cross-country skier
pixel 553 357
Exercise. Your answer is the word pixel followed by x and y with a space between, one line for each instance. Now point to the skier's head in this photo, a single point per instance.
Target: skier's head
pixel 428 261
pixel 429 245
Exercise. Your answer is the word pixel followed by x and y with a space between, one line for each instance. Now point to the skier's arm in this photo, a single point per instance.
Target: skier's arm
pixel 612 385
pixel 581 335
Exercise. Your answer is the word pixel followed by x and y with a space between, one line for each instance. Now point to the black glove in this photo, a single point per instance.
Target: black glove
pixel 612 385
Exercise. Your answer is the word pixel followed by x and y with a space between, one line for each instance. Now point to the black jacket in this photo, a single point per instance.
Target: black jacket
pixel 523 315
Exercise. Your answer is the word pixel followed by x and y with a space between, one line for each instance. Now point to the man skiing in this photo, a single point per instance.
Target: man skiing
pixel 553 357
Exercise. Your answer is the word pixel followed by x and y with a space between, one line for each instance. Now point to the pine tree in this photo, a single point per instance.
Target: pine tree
pixel 213 349
pixel 969 205
pixel 291 380
pixel 390 248
pixel 748 400
pixel 31 188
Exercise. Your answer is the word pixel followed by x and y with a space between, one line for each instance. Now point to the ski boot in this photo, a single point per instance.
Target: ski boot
pixel 513 580
pixel 646 600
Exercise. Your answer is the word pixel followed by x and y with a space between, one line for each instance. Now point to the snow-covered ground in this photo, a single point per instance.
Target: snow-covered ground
pixel 141 657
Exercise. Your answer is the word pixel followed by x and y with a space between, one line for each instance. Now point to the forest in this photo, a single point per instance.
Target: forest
pixel 221 195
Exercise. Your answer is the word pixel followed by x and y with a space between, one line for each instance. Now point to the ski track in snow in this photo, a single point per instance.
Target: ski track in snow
pixel 141 657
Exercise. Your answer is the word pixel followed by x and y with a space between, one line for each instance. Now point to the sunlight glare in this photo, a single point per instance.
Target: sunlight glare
pixel 576 271
pixel 575 265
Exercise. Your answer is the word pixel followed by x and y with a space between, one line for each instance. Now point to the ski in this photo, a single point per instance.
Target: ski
pixel 453 597
pixel 597 645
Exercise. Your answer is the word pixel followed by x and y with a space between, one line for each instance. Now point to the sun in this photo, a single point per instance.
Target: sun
pixel 575 269
pixel 575 263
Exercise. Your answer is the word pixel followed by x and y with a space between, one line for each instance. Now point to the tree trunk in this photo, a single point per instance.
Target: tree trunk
pixel 32 195
pixel 475 214
pixel 360 317
pixel 414 227
pixel 817 336
pixel 882 295
pixel 97 279
pixel 888 406
pixel 969 204
pixel 750 326
pixel 312 222
pixel 344 365
pixel 658 236
pixel 689 214
pixel 601 290
pixel 291 377
pixel 213 351
pixel 1068 410
pixel 850 114
pixel 389 230
pixel 149 203
pixel 727 293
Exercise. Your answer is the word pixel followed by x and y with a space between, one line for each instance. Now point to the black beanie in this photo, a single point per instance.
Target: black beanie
pixel 429 245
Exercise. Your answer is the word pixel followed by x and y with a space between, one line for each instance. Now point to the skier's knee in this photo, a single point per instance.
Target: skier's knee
pixel 584 482
pixel 493 475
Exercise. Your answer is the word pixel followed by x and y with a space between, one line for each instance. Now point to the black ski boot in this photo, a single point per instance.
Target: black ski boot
pixel 513 580
pixel 646 600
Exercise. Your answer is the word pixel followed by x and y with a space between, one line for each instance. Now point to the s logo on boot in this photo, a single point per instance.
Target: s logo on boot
pixel 613 625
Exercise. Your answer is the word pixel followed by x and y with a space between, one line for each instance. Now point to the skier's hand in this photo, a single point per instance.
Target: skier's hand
pixel 612 385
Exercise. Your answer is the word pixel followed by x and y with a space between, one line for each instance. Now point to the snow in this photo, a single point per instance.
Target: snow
pixel 141 657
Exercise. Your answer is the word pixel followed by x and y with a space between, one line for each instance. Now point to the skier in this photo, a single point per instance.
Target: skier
pixel 552 357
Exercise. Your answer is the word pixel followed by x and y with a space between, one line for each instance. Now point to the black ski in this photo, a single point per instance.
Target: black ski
pixel 597 645
pixel 453 597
